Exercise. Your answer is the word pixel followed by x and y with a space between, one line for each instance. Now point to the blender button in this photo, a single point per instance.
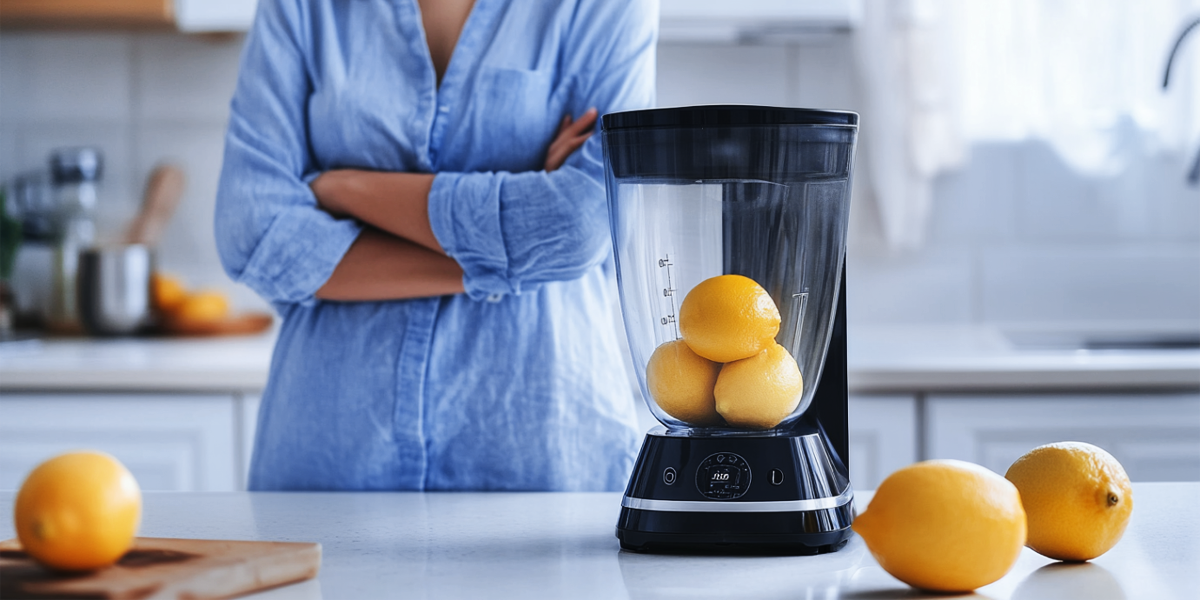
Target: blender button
pixel 776 477
pixel 669 476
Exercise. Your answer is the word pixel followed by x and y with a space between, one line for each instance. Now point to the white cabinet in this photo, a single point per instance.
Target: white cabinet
pixel 184 442
pixel 883 437
pixel 1156 437
pixel 214 15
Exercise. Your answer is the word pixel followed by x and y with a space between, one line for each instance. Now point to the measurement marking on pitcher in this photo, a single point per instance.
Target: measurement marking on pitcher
pixel 669 292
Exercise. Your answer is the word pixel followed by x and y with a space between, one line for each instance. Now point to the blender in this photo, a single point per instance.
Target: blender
pixel 729 233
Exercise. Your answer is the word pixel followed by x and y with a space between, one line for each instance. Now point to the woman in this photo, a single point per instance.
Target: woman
pixel 445 282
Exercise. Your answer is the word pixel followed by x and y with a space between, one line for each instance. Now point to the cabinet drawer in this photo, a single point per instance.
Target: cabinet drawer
pixel 1156 437
pixel 168 442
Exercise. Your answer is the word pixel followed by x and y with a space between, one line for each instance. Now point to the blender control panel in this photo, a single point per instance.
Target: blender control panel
pixel 723 476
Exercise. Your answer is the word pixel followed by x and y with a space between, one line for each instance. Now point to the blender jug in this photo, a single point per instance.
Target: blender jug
pixel 729 233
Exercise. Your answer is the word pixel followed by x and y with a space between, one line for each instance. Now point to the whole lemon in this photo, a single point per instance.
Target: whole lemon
pixel 760 391
pixel 167 292
pixel 682 382
pixel 944 525
pixel 727 318
pixel 78 511
pixel 1077 496
pixel 206 306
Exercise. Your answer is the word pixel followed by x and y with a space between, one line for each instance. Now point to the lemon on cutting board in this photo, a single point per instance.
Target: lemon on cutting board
pixel 944 525
pixel 78 511
pixel 1077 497
pixel 727 318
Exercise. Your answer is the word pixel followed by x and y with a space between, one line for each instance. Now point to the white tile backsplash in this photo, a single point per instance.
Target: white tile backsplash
pixel 975 203
pixel 78 77
pixel 14 77
pixel 823 75
pixel 185 78
pixel 713 74
pixel 932 286
pixel 1063 284
pixel 1015 236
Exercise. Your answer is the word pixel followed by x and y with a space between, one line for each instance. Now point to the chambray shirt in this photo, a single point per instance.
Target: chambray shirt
pixel 517 384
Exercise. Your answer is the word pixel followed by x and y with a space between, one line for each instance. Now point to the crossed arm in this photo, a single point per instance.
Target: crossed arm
pixel 397 256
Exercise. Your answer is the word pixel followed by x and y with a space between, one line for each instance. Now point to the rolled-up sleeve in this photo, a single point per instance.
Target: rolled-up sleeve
pixel 270 233
pixel 513 232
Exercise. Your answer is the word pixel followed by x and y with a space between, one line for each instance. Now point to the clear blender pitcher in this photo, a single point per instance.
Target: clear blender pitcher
pixel 729 231
pixel 701 193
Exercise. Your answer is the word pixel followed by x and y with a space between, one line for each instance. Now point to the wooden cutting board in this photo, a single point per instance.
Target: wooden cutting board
pixel 160 568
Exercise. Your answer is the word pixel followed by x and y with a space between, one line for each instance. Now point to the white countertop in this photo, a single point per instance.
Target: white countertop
pixel 137 364
pixel 979 358
pixel 562 545
pixel 882 359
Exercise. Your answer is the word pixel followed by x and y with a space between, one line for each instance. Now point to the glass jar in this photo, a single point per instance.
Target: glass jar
pixel 75 173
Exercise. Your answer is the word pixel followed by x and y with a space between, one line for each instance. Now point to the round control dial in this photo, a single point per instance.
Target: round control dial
pixel 723 476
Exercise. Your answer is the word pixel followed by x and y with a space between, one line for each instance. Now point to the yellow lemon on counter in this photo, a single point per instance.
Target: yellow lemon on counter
pixel 1077 496
pixel 760 391
pixel 166 292
pixel 78 511
pixel 681 383
pixel 203 307
pixel 727 318
pixel 944 525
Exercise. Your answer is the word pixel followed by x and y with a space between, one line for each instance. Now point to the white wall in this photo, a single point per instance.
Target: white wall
pixel 1015 237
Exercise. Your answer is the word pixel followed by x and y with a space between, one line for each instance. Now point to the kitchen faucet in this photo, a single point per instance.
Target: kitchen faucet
pixel 1193 177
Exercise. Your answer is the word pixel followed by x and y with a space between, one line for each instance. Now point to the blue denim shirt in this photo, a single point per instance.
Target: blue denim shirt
pixel 517 384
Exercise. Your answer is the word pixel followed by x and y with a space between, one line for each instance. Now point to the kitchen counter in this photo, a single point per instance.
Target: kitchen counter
pixel 882 359
pixel 238 363
pixel 561 545
pixel 930 358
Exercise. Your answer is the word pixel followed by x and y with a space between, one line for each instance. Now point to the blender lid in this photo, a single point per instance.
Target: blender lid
pixel 726 115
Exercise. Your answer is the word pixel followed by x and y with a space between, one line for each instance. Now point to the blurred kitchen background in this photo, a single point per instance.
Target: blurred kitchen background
pixel 1022 181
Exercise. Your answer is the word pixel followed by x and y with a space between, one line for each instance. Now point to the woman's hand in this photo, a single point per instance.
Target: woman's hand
pixel 569 137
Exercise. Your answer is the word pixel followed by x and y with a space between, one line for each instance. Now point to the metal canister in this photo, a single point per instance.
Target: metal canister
pixel 114 288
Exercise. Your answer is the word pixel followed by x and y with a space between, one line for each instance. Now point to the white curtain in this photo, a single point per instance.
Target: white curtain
pixel 1083 75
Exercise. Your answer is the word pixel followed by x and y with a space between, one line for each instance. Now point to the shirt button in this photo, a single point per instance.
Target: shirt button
pixel 443 109
pixel 495 298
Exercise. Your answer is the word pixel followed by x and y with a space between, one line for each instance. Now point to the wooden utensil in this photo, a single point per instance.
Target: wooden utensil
pixel 160 568
pixel 164 188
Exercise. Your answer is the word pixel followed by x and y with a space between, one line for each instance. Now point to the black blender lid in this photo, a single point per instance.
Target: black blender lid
pixel 726 115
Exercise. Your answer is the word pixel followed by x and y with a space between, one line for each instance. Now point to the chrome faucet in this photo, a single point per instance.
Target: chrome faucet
pixel 1193 176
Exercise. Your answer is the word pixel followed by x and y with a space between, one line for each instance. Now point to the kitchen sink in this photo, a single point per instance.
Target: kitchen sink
pixel 1028 340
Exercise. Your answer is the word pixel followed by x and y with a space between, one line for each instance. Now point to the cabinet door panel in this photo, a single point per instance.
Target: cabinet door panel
pixel 1156 437
pixel 882 437
pixel 175 443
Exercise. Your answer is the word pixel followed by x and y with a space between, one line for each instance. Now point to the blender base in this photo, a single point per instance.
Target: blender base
pixel 785 494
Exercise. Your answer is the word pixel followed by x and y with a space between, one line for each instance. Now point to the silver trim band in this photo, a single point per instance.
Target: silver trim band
pixel 723 506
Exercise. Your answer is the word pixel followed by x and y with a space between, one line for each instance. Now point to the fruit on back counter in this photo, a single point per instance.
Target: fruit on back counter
pixel 726 319
pixel 78 511
pixel 944 525
pixel 1077 497
pixel 176 303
